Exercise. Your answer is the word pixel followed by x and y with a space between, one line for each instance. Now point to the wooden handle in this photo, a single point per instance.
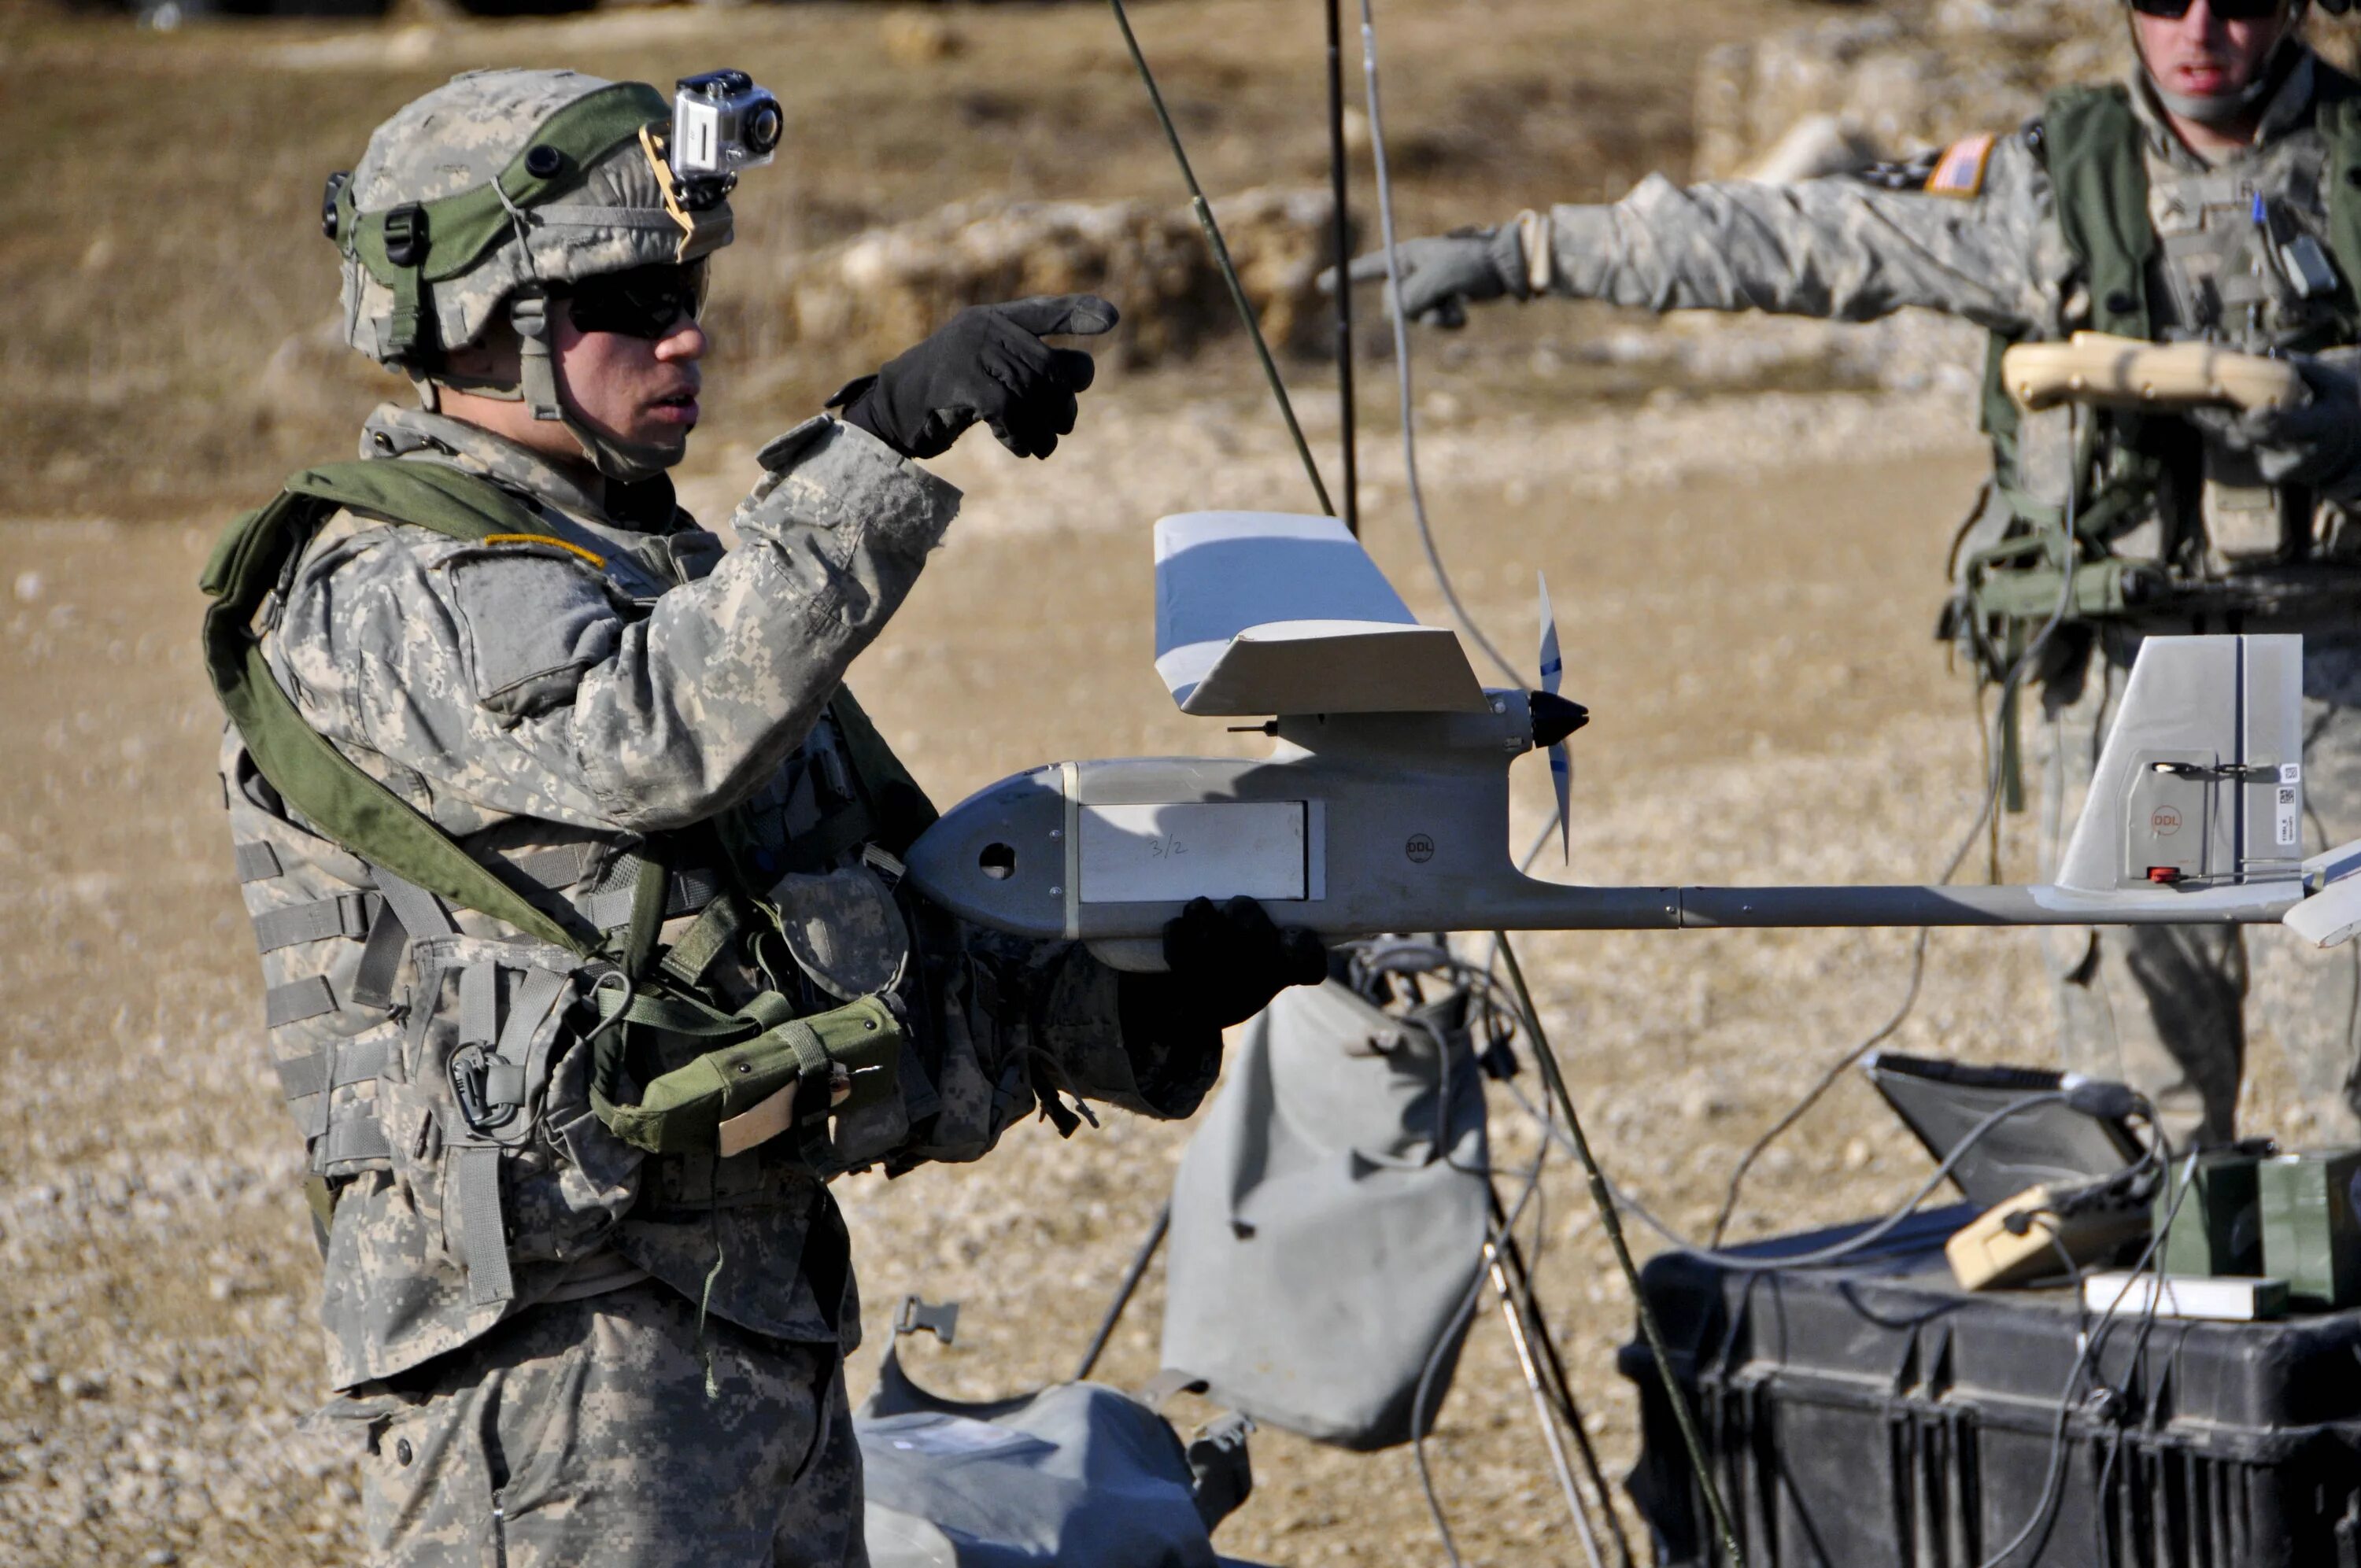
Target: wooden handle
pixel 2123 372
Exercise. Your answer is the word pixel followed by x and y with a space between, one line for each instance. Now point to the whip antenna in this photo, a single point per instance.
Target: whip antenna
pixel 1204 212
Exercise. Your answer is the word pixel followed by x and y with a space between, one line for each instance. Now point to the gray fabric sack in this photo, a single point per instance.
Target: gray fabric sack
pixel 1076 1475
pixel 1321 1244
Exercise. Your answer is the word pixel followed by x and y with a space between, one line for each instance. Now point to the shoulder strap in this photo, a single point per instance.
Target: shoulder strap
pixel 308 773
pixel 2089 144
pixel 2092 145
pixel 450 501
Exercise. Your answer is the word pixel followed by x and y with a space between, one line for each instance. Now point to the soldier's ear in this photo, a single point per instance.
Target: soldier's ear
pixel 495 358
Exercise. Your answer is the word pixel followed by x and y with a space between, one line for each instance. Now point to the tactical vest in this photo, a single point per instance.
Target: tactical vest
pixel 2091 143
pixel 669 1056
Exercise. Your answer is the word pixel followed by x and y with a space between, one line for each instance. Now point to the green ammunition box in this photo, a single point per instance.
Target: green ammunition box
pixel 2310 1237
pixel 2218 1228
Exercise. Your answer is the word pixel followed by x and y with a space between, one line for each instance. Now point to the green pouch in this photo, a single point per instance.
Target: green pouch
pixel 682 1111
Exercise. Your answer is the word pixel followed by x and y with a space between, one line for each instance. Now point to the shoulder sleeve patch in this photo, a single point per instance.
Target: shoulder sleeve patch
pixel 1960 171
pixel 534 624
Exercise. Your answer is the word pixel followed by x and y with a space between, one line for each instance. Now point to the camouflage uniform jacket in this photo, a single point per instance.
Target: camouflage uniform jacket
pixel 1977 238
pixel 1973 231
pixel 558 703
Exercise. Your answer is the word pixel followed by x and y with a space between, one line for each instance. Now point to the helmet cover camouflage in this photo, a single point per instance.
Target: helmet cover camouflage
pixel 607 218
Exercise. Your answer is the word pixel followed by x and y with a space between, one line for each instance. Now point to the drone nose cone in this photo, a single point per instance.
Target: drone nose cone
pixel 1554 717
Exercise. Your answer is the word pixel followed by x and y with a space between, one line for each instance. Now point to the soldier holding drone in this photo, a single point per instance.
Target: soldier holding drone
pixel 576 869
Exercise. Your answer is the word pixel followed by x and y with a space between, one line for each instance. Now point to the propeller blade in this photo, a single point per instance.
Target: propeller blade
pixel 1561 760
pixel 1562 778
pixel 1553 667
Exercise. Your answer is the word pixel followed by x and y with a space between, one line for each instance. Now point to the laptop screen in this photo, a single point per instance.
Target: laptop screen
pixel 1943 1102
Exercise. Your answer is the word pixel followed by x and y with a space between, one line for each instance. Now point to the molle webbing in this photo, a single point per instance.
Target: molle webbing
pixel 2337 100
pixel 411 246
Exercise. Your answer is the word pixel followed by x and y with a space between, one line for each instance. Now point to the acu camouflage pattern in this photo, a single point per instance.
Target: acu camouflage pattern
pixel 461 135
pixel 1853 247
pixel 2162 1008
pixel 612 1432
pixel 623 687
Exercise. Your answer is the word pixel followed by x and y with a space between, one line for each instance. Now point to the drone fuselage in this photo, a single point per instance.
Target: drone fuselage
pixel 1384 806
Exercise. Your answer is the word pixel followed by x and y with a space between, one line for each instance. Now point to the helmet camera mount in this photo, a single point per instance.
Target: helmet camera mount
pixel 722 124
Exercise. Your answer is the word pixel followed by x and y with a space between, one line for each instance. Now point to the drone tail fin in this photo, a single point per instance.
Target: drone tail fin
pixel 2201 782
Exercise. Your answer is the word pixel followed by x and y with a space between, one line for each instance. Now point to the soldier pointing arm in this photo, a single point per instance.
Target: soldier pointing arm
pixel 2215 197
pixel 574 868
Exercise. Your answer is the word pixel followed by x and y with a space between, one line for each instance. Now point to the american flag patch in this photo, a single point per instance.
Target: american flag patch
pixel 1960 170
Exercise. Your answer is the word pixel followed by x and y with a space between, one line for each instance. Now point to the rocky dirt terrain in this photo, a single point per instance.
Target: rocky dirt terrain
pixel 1743 528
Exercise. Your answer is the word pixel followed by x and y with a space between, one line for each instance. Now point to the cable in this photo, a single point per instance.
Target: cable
pixel 1341 232
pixel 1994 774
pixel 1836 1252
pixel 1726 1533
pixel 1375 966
pixel 1453 1331
pixel 1122 1291
pixel 2054 1475
pixel 1401 353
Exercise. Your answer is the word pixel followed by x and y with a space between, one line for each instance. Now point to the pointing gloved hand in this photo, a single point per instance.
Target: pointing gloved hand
pixel 1442 275
pixel 986 366
pixel 2316 442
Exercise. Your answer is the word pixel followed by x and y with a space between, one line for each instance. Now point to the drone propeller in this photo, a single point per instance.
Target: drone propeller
pixel 1554 718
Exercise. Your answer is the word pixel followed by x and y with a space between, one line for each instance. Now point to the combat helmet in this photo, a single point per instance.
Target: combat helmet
pixel 490 193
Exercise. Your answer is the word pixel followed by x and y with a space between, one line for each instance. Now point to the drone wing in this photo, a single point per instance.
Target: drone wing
pixel 1273 612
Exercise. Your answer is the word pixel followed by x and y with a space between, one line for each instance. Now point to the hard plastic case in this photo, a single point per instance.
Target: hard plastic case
pixel 1875 1414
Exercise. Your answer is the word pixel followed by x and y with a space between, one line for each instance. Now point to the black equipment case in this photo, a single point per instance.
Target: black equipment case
pixel 1874 1415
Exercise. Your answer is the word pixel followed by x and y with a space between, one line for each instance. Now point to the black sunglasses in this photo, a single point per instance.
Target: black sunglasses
pixel 2227 10
pixel 647 302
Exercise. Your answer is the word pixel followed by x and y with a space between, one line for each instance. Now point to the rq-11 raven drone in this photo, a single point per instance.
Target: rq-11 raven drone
pixel 1384 804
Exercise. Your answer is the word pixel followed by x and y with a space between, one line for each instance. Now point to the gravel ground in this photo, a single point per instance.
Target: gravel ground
pixel 1745 584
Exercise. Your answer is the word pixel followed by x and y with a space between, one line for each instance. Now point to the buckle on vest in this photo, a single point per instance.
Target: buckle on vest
pixel 482 1105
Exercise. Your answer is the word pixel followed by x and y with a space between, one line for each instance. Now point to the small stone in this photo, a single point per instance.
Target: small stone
pixel 1704 1105
pixel 162 1557
pixel 39 1374
pixel 1856 1153
pixel 29 586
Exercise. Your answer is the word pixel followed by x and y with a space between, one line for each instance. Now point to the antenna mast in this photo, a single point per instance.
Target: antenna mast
pixel 1344 258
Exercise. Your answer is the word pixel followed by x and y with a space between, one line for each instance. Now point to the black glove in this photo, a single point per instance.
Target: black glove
pixel 1442 275
pixel 987 365
pixel 2315 443
pixel 1226 961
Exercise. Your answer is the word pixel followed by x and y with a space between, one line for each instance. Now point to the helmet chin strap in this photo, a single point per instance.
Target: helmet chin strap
pixel 628 462
pixel 625 461
pixel 2214 109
